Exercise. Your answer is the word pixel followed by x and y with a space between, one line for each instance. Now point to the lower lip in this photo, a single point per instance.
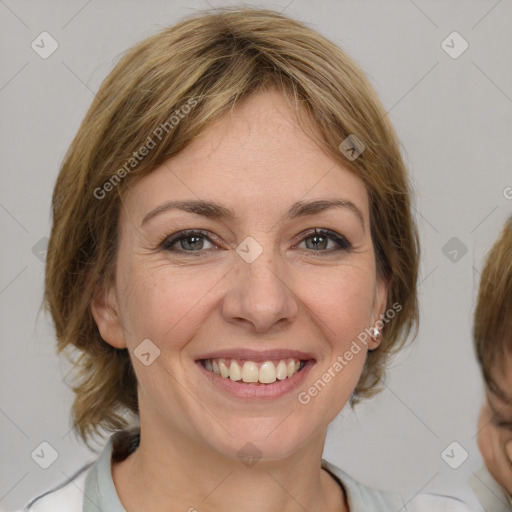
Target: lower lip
pixel 240 389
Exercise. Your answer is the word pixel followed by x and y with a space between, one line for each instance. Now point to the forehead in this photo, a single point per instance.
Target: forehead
pixel 256 150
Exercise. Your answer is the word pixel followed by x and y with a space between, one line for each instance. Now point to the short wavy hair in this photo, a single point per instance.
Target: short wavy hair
pixel 492 319
pixel 213 59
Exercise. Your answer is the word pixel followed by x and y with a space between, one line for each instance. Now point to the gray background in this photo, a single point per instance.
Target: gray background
pixel 454 118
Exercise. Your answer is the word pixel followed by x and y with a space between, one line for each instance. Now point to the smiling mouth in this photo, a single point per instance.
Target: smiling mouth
pixel 251 372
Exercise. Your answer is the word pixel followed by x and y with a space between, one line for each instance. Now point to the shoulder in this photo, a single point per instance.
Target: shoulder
pixel 362 497
pixel 91 484
pixel 427 502
pixel 66 496
pixel 487 492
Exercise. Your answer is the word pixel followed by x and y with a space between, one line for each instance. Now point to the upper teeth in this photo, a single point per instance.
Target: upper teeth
pixel 250 371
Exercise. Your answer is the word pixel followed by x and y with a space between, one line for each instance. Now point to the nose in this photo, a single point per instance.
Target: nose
pixel 260 296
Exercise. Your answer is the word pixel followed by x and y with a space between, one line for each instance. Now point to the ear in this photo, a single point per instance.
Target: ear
pixel 379 309
pixel 105 310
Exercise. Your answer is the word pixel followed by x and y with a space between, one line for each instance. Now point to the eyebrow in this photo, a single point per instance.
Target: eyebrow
pixel 497 414
pixel 216 211
pixel 497 391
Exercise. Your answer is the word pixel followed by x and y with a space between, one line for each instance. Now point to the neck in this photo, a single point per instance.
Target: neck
pixel 174 469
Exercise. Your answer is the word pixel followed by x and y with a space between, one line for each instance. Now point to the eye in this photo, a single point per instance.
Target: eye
pixel 505 426
pixel 498 423
pixel 196 241
pixel 188 240
pixel 325 240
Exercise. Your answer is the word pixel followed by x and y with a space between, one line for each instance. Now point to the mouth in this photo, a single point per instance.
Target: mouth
pixel 250 374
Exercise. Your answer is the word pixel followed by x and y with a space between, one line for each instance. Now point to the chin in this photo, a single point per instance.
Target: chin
pixel 261 438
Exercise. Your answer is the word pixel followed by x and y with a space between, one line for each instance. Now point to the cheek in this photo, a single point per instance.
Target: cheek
pixel 165 306
pixel 343 302
pixel 341 308
pixel 484 439
pixel 489 445
pixel 485 446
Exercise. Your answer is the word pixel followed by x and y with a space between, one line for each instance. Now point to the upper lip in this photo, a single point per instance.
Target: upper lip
pixel 256 355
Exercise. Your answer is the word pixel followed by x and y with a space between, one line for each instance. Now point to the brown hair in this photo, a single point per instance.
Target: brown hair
pixel 211 60
pixel 492 322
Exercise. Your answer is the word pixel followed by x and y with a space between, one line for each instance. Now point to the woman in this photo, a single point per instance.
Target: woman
pixel 234 257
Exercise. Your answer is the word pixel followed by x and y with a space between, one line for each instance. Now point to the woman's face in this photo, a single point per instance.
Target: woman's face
pixel 255 287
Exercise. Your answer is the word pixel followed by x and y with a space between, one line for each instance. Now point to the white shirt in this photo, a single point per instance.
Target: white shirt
pixel 92 489
pixel 488 492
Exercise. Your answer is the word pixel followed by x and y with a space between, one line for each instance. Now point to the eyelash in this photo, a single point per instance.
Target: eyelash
pixel 504 425
pixel 170 240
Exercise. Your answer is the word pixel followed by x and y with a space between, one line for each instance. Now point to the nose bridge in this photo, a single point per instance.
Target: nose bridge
pixel 259 292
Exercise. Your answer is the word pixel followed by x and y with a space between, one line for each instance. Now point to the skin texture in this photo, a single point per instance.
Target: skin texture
pixel 495 427
pixel 257 161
